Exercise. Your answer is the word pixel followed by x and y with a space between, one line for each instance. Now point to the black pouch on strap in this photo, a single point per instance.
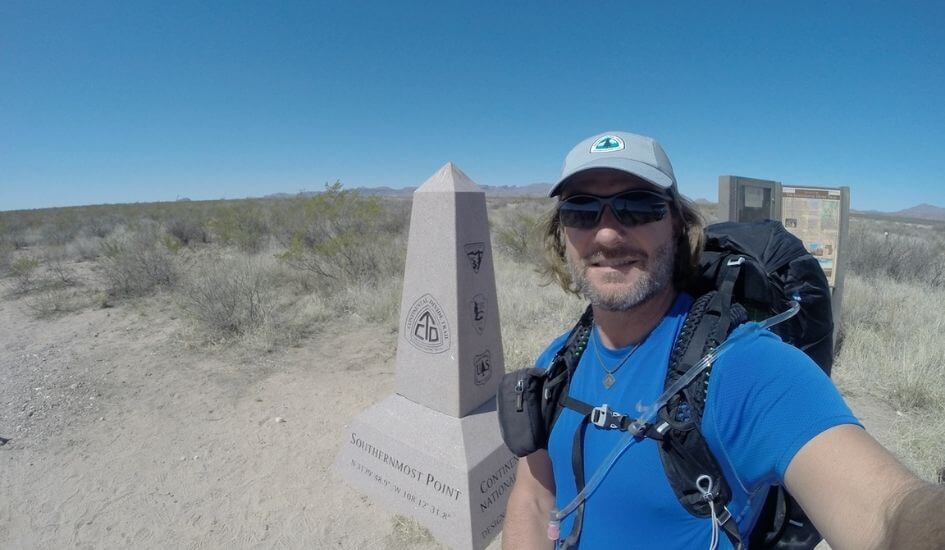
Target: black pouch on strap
pixel 521 419
pixel 529 400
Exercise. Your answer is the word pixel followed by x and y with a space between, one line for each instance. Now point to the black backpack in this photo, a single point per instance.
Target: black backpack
pixel 751 270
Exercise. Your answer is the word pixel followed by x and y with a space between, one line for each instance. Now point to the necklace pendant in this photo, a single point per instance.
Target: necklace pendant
pixel 609 380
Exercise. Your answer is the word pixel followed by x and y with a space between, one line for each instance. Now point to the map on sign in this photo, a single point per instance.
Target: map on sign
pixel 813 215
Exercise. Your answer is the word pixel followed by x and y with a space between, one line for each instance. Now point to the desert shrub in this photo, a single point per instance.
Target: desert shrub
pixel 343 238
pixel 187 231
pixel 57 266
pixel 24 271
pixel 244 299
pixel 84 248
pixel 6 258
pixel 135 263
pixel 54 301
pixel 100 225
pixel 23 237
pixel 516 228
pixel 242 225
pixel 228 297
pixel 898 255
pixel 60 226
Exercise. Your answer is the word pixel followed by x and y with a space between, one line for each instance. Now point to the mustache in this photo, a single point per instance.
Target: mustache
pixel 609 253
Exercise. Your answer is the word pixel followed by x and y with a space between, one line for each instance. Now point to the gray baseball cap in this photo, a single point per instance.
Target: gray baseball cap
pixel 639 155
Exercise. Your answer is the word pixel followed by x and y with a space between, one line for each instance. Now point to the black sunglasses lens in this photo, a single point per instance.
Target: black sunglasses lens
pixel 639 208
pixel 581 212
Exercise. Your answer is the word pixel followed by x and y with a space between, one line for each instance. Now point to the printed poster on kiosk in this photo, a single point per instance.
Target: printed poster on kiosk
pixel 813 215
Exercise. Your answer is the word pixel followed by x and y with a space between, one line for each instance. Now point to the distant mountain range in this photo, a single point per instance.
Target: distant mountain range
pixel 921 212
pixel 924 211
pixel 532 190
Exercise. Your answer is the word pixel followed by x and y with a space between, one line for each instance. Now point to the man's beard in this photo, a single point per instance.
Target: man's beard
pixel 653 280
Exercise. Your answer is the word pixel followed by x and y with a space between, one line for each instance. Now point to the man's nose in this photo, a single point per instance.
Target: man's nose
pixel 609 227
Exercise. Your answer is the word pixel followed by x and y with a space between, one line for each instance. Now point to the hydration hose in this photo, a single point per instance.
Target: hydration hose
pixel 648 413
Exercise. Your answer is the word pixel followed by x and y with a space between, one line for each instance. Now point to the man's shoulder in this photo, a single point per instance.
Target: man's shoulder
pixel 760 363
pixel 755 348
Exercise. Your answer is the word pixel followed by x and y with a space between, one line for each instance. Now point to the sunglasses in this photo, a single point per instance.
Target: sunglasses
pixel 631 208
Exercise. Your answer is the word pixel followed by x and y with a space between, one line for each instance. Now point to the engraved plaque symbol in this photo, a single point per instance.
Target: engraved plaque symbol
pixel 483 364
pixel 426 327
pixel 474 253
pixel 479 312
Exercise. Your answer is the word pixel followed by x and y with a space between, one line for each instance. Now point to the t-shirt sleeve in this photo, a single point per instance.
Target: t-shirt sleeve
pixel 766 400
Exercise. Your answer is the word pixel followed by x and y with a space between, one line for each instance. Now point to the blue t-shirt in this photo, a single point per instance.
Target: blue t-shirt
pixel 766 399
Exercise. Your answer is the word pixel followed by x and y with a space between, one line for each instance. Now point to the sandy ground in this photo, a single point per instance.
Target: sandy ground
pixel 120 435
pixel 123 435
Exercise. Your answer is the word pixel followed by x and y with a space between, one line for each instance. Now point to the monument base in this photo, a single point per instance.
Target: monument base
pixel 452 475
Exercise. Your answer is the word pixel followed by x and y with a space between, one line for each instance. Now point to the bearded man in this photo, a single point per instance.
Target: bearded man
pixel 623 237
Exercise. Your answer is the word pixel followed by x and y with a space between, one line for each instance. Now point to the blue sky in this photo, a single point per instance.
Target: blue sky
pixel 104 102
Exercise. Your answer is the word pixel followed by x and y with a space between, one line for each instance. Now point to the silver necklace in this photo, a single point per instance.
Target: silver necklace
pixel 609 378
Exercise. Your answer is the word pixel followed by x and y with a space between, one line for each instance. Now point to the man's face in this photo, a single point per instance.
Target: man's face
pixel 614 266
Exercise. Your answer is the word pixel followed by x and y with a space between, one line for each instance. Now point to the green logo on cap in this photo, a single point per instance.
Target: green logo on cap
pixel 607 144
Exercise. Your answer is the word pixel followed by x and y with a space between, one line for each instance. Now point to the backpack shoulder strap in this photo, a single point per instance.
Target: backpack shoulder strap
pixel 558 376
pixel 689 464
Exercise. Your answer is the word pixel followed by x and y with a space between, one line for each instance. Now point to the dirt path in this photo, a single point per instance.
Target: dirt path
pixel 121 436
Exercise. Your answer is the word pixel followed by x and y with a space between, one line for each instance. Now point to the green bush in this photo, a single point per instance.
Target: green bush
pixel 24 273
pixel 187 231
pixel 228 297
pixel 60 227
pixel 137 263
pixel 516 227
pixel 242 225
pixel 344 238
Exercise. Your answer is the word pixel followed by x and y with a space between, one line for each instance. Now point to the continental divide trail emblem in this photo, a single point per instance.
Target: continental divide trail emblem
pixel 426 327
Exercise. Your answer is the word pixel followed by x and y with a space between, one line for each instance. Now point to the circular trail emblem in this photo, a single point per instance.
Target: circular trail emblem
pixel 426 327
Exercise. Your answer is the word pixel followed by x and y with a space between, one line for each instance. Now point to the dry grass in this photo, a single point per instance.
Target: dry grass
pixel 531 311
pixel 892 350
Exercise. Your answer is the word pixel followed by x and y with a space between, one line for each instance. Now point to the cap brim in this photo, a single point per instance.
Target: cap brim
pixel 634 167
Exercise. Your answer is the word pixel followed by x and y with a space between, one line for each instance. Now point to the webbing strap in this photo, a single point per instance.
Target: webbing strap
pixel 726 291
pixel 577 466
pixel 581 407
pixel 731 530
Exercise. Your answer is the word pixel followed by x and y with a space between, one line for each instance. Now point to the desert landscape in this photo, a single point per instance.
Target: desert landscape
pixel 180 374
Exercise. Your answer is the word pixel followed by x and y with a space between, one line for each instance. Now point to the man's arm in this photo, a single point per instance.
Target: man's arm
pixel 859 496
pixel 530 503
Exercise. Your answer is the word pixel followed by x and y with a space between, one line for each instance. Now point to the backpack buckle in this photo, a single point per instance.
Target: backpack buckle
pixel 735 261
pixel 605 417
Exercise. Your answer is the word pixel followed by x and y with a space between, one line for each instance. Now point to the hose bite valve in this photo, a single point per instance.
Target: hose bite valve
pixel 554 529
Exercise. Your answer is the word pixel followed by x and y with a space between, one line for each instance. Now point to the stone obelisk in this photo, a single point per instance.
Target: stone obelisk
pixel 433 451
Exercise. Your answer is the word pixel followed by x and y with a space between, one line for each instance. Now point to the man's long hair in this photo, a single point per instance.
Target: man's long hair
pixel 687 225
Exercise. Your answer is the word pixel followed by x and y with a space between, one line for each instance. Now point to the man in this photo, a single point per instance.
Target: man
pixel 624 238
